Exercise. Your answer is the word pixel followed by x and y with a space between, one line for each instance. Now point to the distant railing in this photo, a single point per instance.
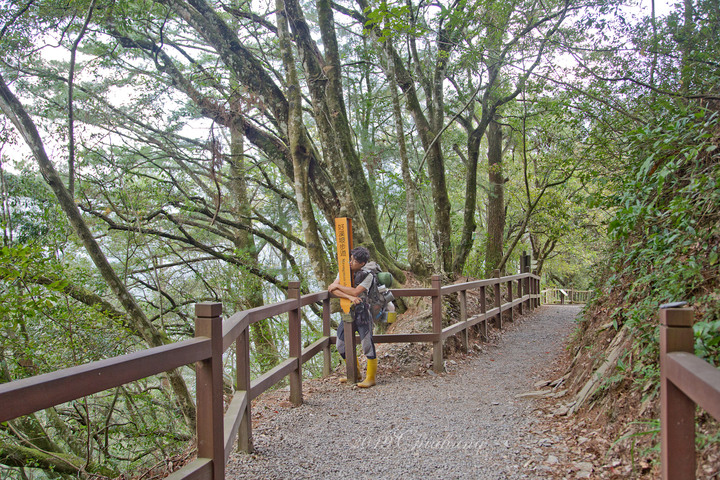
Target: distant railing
pixel 217 429
pixel 686 381
pixel 563 296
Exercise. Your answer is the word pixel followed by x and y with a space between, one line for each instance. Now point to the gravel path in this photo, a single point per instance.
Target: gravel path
pixel 467 423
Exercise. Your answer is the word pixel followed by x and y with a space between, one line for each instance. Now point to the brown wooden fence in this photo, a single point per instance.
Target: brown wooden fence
pixel 217 428
pixel 686 381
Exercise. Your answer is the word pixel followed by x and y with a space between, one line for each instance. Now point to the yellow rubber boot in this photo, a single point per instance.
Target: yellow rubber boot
pixel 370 377
pixel 357 360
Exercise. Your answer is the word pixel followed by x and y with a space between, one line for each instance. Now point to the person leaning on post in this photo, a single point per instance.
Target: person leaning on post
pixel 360 311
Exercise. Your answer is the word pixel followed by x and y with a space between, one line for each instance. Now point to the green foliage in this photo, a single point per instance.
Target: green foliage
pixel 44 329
pixel 31 214
pixel 707 339
pixel 390 21
pixel 665 229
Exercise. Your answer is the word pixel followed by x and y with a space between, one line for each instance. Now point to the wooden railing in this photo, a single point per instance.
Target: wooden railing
pixel 686 381
pixel 216 428
pixel 563 296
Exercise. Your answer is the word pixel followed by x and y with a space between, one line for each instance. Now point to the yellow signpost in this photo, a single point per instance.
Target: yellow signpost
pixel 343 236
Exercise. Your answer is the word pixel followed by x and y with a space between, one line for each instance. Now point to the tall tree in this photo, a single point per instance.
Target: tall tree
pixel 14 110
pixel 511 37
pixel 496 199
pixel 266 350
pixel 417 263
pixel 429 119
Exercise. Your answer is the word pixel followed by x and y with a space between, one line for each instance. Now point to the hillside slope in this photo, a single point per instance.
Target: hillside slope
pixel 666 248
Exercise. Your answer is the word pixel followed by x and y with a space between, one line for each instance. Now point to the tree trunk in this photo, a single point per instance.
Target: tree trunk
pixel 687 45
pixel 324 76
pixel 252 74
pixel 435 160
pixel 441 207
pixel 64 464
pixel 27 430
pixel 475 135
pixel 496 199
pixel 541 252
pixel 300 152
pixel 415 259
pixel 464 247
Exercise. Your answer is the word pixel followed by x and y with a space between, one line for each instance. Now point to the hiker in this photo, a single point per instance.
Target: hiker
pixel 360 311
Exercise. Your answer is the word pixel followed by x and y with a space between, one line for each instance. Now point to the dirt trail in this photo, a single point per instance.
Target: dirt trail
pixel 468 423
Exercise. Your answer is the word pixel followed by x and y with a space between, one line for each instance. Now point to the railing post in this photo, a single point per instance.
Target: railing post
pixel 438 366
pixel 326 333
pixel 510 299
pixel 537 292
pixel 532 302
pixel 242 361
pixel 522 283
pixel 498 299
pixel 295 344
pixel 209 389
pixel 527 281
pixel 350 349
pixel 520 295
pixel 677 411
pixel 463 318
pixel 531 291
pixel 483 310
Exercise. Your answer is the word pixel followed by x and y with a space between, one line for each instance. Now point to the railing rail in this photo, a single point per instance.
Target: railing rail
pixel 216 431
pixel 563 296
pixel 32 394
pixel 685 381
